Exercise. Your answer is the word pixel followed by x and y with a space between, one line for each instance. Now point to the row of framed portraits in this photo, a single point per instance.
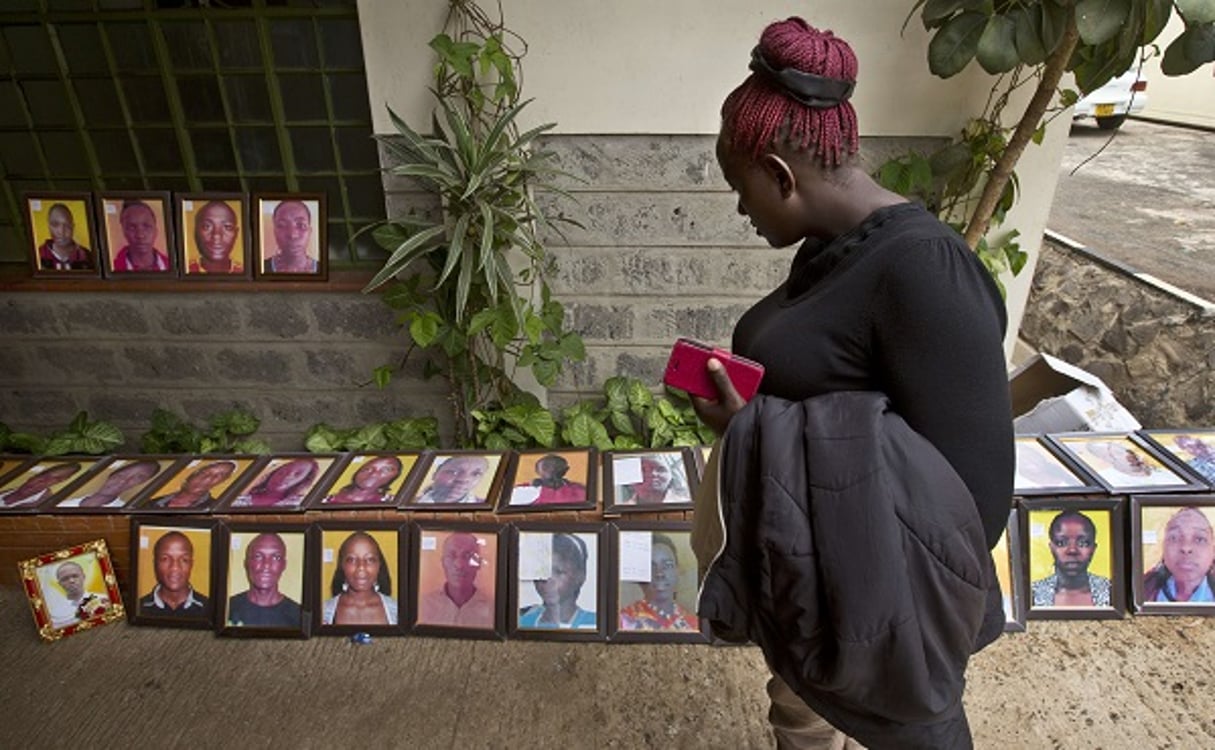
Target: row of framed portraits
pixel 503 481
pixel 1071 558
pixel 162 235
pixel 1115 463
pixel 622 581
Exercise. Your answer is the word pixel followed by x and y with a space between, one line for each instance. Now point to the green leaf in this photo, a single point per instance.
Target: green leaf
pixel 236 422
pixel 1028 34
pixel 1192 48
pixel 417 245
pixel 1197 11
pixel 936 11
pixel 1100 20
pixel 1155 17
pixel 1054 23
pixel 955 44
pixel 546 372
pixel 251 445
pixel 322 438
pixel 536 421
pixel 997 50
pixel 424 328
pixel 382 376
pixel 1039 134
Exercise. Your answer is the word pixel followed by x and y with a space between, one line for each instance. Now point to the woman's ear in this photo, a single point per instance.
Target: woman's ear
pixel 778 169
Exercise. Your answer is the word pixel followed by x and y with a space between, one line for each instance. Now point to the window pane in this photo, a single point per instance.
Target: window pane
pixel 146 100
pixel 188 45
pixel 294 44
pixel 358 148
pixel 19 154
pixel 327 185
pixel 70 5
pixel 267 185
pixel 200 99
pixel 114 151
pixel 82 48
pixel 132 46
pixel 11 114
pixel 99 101
pixel 313 149
pixel 30 51
pixel 47 102
pixel 238 45
pixel 366 194
pixel 303 97
pixel 222 184
pixel 343 46
pixel 124 183
pixel 213 151
pixel 258 149
pixel 64 154
pixel 160 150
pixel 349 93
pixel 175 183
pixel 248 98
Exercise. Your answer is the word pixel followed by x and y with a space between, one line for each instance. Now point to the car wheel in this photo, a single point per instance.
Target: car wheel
pixel 1111 123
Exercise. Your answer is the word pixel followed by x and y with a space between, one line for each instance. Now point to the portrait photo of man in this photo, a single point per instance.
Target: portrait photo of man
pixel 73 589
pixel 40 482
pixel 174 572
pixel 291 235
pixel 266 572
pixel 61 233
pixel 459 479
pixel 548 478
pixel 138 233
pixel 116 484
pixel 457 578
pixel 214 241
pixel 1070 558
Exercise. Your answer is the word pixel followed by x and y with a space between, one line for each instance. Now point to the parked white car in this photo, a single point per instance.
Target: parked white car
pixel 1110 104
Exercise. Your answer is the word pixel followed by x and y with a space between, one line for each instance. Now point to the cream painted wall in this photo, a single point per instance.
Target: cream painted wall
pixel 1188 99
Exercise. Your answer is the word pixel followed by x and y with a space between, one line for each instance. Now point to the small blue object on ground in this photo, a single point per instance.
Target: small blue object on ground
pixel 361 638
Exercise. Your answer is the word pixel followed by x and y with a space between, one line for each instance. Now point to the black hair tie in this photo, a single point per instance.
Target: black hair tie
pixel 812 90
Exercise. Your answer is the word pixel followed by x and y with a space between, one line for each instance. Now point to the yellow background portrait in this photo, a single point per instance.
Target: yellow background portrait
pixel 484 486
pixel 200 575
pixel 357 462
pixel 331 545
pixel 39 209
pixel 96 482
pixel 578 460
pixel 1042 562
pixel 111 211
pixel 292 582
pixel 181 475
pixel 94 579
pixel 189 214
pixel 49 463
pixel 1153 519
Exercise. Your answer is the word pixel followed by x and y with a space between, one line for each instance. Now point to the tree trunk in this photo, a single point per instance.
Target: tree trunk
pixel 1052 73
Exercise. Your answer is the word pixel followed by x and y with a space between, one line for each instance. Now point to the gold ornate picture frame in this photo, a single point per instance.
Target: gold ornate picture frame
pixel 72 590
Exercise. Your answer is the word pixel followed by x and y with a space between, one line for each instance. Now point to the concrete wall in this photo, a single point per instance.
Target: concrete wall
pixel 1153 347
pixel 1188 99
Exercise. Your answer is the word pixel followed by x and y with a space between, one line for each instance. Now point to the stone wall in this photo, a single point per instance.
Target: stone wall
pixel 1152 345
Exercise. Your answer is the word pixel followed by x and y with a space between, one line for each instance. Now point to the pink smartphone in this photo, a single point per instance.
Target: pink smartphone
pixel 686 370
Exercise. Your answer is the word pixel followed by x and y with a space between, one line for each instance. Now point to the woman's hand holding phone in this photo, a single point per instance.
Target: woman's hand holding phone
pixel 717 413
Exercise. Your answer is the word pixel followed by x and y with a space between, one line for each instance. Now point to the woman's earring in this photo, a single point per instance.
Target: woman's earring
pixel 377 588
pixel 345 587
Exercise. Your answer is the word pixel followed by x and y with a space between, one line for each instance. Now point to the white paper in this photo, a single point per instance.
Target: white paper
pixel 535 556
pixel 187 205
pixel 1037 530
pixel 143 541
pixel 236 544
pixel 36 204
pixel 1149 536
pixel 430 542
pixel 524 495
pixel 626 470
pixel 327 554
pixel 111 208
pixel 635 552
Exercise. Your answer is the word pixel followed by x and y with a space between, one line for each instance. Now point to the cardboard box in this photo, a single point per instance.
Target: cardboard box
pixel 1051 396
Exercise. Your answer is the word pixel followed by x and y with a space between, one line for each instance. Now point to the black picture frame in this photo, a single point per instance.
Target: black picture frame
pixel 474 546
pixel 1043 469
pixel 1106 516
pixel 1014 590
pixel 139 471
pixel 147 579
pixel 1151 516
pixel 66 470
pixel 233 581
pixel 256 493
pixel 392 541
pixel 1198 460
pixel 480 496
pixel 267 225
pixel 84 261
pixel 1109 457
pixel 117 213
pixel 526 491
pixel 633 546
pixel 202 220
pixel 212 481
pixel 341 492
pixel 623 470
pixel 11 465
pixel 532 548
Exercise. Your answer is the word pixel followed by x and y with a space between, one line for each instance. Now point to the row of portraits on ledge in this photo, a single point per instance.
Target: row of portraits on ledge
pixel 505 481
pixel 602 581
pixel 158 235
pixel 1104 523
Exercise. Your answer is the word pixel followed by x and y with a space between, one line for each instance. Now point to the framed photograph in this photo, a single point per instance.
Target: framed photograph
pixel 1124 463
pixel 358 577
pixel 1011 575
pixel 458 480
pixel 364 481
pixel 214 239
pixel 173 570
pixel 72 589
pixel 547 480
pixel 648 481
pixel 11 465
pixel 38 482
pixel 62 235
pixel 284 483
pixel 1042 470
pixel 459 584
pixel 196 484
pixel 1193 448
pixel 1074 557
pixel 1173 554
pixel 137 234
pixel 652 596
pixel 291 241
pixel 554 572
pixel 264 567
pixel 112 485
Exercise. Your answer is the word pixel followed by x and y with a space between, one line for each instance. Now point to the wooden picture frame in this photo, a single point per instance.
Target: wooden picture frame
pixel 1042 469
pixel 174 570
pixel 291 231
pixel 12 465
pixel 281 483
pixel 1014 591
pixel 649 481
pixel 196 484
pixel 1092 550
pixel 137 237
pixel 457 480
pixel 264 560
pixel 72 589
pixel 464 561
pixel 1193 449
pixel 548 480
pixel 38 482
pixel 63 245
pixel 213 238
pixel 562 566
pixel 112 485
pixel 369 480
pixel 1172 549
pixel 356 561
pixel 654 568
pixel 1125 463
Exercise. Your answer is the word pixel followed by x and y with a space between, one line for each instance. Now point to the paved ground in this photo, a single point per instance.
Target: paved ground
pixel 1147 200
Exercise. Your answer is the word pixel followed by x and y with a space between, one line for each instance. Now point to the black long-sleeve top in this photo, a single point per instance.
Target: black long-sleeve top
pixel 900 305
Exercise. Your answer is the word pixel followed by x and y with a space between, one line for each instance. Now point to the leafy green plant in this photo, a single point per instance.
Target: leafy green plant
pixel 227 432
pixel 403 434
pixel 81 436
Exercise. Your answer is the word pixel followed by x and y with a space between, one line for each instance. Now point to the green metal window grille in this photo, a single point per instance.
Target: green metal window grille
pixel 188 95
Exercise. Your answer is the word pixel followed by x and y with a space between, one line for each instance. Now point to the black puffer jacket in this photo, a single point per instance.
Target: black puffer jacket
pixel 855 558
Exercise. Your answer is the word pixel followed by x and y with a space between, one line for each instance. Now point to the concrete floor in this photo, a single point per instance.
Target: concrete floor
pixel 1137 683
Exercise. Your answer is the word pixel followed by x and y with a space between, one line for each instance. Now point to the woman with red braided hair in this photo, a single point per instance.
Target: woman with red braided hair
pixel 881 297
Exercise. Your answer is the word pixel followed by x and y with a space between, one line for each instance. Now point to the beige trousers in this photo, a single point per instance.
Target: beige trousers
pixel 796 725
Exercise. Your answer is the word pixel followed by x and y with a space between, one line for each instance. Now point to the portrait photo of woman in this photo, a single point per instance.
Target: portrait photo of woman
pixel 1075 558
pixel 284 483
pixel 640 481
pixel 556 583
pixel 358 577
pixel 655 587
pixel 115 485
pixel 369 480
pixel 1177 553
pixel 40 482
pixel 195 486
